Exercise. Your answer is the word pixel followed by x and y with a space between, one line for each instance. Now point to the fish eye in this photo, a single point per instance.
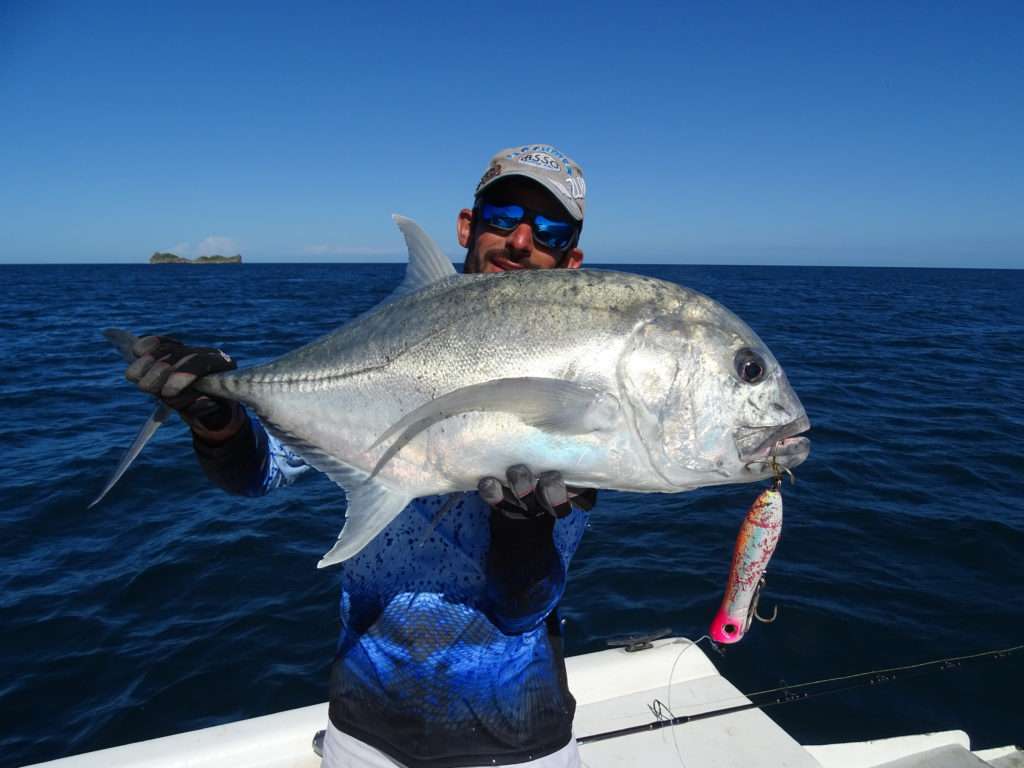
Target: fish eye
pixel 750 366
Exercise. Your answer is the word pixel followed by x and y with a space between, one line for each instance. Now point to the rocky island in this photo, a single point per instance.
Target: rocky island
pixel 171 258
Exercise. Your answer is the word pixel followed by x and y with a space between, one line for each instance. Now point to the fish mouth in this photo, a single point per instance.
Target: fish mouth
pixel 760 445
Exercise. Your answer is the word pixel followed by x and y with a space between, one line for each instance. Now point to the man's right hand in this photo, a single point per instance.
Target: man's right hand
pixel 166 368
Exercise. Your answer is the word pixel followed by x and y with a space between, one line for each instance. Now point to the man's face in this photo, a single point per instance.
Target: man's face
pixel 493 250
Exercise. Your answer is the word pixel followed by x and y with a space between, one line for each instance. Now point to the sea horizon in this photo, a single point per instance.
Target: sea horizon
pixel 586 265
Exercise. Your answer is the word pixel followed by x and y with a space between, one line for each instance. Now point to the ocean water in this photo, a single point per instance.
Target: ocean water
pixel 172 606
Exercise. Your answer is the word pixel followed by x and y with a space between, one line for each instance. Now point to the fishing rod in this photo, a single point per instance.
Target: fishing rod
pixel 789 694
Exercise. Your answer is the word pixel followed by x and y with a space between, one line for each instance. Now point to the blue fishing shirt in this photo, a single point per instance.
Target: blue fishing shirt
pixel 450 652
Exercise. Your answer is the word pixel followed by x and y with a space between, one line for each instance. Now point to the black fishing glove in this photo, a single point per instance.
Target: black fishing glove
pixel 526 497
pixel 166 368
pixel 524 570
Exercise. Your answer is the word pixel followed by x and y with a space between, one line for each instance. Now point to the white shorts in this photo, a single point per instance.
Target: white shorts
pixel 344 751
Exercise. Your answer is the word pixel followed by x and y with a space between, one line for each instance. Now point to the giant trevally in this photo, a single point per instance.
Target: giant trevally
pixel 615 380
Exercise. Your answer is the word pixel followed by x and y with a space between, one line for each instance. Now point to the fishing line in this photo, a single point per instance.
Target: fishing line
pixel 789 694
pixel 668 696
pixel 449 504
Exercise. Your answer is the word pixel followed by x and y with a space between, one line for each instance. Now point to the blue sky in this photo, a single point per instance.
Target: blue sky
pixel 791 133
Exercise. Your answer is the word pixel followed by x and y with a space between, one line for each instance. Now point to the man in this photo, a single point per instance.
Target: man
pixel 450 651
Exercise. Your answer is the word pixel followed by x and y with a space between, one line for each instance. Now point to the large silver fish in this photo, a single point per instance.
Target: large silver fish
pixel 616 380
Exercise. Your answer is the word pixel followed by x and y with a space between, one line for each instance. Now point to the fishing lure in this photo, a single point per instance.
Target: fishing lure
pixel 755 545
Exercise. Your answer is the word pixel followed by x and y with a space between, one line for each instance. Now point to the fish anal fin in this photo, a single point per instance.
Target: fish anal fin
pixel 371 503
pixel 371 506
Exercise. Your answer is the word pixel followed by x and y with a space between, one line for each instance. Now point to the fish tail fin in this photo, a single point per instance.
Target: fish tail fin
pixel 153 423
pixel 124 341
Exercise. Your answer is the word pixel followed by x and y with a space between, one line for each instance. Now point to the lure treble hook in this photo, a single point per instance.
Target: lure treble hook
pixel 779 472
pixel 754 605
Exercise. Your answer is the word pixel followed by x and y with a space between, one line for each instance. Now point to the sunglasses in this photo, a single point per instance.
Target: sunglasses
pixel 550 233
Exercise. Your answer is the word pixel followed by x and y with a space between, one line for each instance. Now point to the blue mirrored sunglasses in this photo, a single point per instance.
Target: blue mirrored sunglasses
pixel 551 233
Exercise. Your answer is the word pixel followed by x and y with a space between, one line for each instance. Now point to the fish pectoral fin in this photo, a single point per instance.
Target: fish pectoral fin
pixel 552 405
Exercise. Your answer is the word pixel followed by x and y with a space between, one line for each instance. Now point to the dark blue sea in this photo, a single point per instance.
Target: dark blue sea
pixel 172 606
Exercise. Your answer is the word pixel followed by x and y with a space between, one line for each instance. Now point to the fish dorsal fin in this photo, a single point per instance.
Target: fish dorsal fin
pixel 427 262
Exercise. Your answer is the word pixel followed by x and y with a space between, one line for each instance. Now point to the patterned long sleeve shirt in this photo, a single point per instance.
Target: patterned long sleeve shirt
pixel 450 652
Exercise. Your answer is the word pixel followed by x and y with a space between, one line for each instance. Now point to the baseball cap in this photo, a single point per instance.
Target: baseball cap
pixel 552 169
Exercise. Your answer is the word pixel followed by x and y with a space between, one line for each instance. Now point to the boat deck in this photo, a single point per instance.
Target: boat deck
pixel 614 689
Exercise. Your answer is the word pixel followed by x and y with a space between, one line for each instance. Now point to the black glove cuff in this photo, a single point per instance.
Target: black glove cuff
pixel 212 414
pixel 243 442
pixel 237 463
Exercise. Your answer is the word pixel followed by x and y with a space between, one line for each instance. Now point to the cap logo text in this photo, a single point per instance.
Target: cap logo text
pixel 576 187
pixel 540 160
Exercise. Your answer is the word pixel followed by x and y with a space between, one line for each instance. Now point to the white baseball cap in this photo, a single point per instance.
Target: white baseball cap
pixel 552 169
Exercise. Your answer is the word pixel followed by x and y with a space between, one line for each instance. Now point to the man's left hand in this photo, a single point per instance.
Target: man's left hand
pixel 527 497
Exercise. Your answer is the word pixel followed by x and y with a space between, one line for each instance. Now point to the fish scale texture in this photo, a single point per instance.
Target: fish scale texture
pixel 557 302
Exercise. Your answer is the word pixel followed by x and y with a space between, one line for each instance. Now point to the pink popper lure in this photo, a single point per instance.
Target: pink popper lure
pixel 755 545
